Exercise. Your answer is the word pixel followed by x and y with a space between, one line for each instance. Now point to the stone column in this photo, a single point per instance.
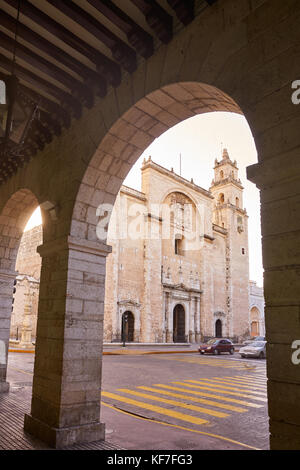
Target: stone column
pixel 26 334
pixel 6 295
pixel 66 397
pixel 191 321
pixel 137 325
pixel 199 326
pixel 278 178
pixel 169 334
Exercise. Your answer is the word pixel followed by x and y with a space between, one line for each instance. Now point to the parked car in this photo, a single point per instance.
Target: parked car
pixel 255 349
pixel 256 338
pixel 217 346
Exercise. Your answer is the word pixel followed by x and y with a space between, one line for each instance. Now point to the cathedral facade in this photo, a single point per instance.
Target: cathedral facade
pixel 179 267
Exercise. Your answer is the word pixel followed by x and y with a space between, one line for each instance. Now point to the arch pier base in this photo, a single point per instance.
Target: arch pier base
pixel 6 291
pixel 65 407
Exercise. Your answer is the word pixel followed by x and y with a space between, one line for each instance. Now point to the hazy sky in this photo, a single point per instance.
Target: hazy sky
pixel 200 140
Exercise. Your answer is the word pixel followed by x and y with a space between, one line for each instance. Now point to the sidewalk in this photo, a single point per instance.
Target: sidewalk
pixel 13 406
pixel 117 349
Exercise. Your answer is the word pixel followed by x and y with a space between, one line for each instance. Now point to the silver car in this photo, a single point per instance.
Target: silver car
pixel 250 341
pixel 255 349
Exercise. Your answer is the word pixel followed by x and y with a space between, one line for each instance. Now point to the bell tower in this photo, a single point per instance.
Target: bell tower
pixel 226 188
pixel 230 214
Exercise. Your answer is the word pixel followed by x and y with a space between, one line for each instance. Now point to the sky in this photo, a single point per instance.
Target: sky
pixel 200 140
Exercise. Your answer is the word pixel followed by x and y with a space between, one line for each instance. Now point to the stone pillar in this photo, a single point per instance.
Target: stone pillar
pixel 6 295
pixel 65 405
pixel 278 178
pixel 26 334
pixel 137 325
pixel 199 327
pixel 191 320
pixel 169 334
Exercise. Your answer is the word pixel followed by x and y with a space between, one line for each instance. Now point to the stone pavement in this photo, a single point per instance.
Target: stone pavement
pixel 13 406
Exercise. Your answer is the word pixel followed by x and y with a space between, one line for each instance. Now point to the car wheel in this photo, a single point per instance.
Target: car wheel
pixel 261 355
pixel 201 353
pixel 243 355
pixel 216 352
pixel 231 351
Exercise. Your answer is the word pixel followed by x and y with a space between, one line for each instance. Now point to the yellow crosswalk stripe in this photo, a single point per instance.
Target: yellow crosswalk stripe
pixel 210 362
pixel 211 395
pixel 262 381
pixel 231 382
pixel 244 378
pixel 200 409
pixel 198 400
pixel 156 409
pixel 241 383
pixel 255 377
pixel 211 389
pixel 224 387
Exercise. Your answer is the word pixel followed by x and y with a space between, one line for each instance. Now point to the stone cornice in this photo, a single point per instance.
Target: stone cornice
pixel 133 193
pixel 76 244
pixel 8 274
pixel 181 287
pixel 227 181
pixel 128 302
pixel 178 178
pixel 219 229
pixel 277 170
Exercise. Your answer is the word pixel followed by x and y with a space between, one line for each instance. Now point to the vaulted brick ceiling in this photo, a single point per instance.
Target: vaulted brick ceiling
pixel 69 51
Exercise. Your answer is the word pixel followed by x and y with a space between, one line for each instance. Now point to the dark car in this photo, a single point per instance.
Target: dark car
pixel 217 346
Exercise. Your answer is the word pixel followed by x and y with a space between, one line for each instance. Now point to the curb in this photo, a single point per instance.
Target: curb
pixel 136 353
pixel 116 353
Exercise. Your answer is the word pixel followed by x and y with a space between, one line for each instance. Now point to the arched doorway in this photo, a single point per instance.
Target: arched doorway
pixel 254 321
pixel 128 327
pixel 179 324
pixel 218 329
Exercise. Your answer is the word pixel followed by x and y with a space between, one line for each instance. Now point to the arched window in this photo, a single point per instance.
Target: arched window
pixel 221 174
pixel 221 198
pixel 237 202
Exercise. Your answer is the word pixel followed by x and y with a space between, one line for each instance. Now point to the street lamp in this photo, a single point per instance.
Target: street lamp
pixel 16 115
pixel 17 111
pixel 124 322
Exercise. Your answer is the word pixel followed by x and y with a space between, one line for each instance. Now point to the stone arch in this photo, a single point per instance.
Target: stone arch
pixel 235 56
pixel 14 215
pixel 127 139
pixel 128 327
pixel 175 189
pixel 77 251
pixel 179 321
pixel 255 319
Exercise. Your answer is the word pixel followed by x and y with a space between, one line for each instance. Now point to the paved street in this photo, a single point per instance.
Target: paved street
pixel 176 401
